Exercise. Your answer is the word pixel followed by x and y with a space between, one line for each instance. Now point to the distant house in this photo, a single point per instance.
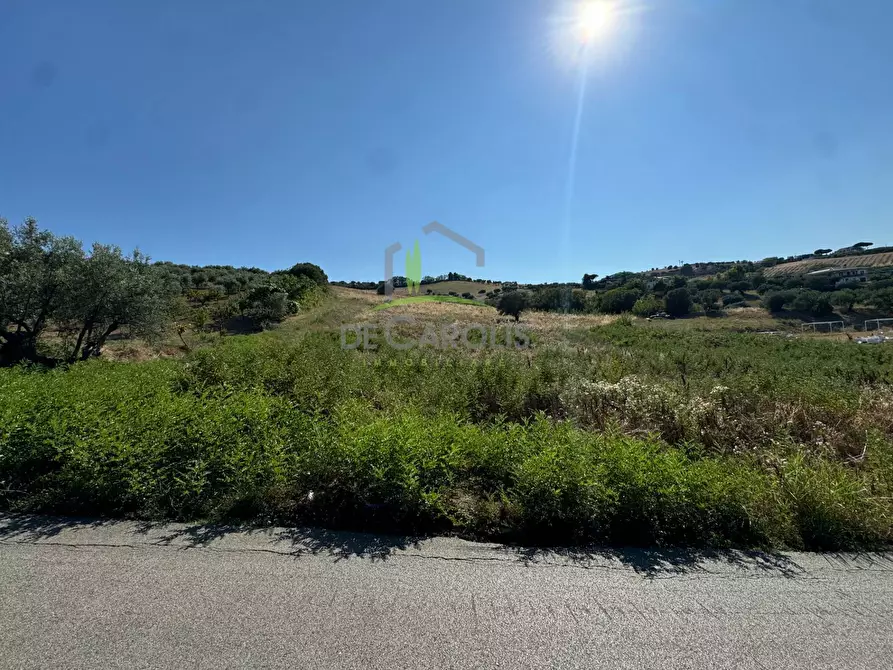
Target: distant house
pixel 842 276
pixel 847 251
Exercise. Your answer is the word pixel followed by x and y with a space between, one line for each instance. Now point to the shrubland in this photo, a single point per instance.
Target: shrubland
pixel 626 433
pixel 608 429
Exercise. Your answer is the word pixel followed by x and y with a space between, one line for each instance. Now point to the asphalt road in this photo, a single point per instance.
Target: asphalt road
pixel 126 595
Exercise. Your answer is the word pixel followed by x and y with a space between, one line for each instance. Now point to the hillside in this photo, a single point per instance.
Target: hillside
pixel 798 267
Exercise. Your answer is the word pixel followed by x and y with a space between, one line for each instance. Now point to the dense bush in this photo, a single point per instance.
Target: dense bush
pixel 732 300
pixel 821 282
pixel 312 272
pixel 557 299
pixel 267 304
pixel 709 299
pixel 300 289
pixel 812 302
pixel 845 299
pixel 618 300
pixel 678 302
pixel 775 302
pixel 647 305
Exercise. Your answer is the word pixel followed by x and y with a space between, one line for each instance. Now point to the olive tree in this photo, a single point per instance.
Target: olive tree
pixel 267 304
pixel 710 299
pixel 113 291
pixel 48 281
pixel 845 299
pixel 511 303
pixel 37 274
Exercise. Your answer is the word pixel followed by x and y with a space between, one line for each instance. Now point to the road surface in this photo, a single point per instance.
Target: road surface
pixel 128 595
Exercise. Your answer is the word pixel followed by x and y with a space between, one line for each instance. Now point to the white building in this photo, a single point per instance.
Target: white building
pixel 843 276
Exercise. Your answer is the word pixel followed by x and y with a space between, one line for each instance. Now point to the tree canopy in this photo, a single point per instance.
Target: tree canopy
pixel 47 280
pixel 511 303
pixel 312 271
pixel 678 302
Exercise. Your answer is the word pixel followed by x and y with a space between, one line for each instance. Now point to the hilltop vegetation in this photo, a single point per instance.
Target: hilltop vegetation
pixel 782 286
pixel 60 304
pixel 741 285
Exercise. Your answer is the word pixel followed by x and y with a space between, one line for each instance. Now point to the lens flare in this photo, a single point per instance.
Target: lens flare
pixel 596 19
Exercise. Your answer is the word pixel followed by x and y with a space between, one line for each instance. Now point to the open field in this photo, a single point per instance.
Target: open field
pixel 427 298
pixel 458 287
pixel 808 265
pixel 609 429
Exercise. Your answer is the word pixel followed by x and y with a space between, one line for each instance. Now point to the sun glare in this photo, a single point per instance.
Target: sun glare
pixel 596 19
pixel 597 32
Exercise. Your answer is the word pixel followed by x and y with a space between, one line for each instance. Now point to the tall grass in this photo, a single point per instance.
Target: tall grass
pixel 628 435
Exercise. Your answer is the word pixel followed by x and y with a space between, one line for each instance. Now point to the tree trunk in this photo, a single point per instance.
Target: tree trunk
pixel 20 347
pixel 95 348
pixel 88 326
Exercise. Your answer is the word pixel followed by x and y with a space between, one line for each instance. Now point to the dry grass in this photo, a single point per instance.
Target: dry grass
pixel 552 327
pixel 138 350
pixel 438 312
pixel 357 295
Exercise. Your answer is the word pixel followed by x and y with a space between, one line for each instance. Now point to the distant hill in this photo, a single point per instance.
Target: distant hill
pixel 863 260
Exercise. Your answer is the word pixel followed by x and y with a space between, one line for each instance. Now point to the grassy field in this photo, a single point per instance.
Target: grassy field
pixel 609 429
pixel 808 265
pixel 410 300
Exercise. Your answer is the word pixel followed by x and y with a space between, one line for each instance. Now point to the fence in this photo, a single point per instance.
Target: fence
pixel 877 323
pixel 830 325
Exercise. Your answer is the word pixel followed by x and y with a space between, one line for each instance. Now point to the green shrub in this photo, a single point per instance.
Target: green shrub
pixel 845 299
pixel 732 300
pixel 311 271
pixel 638 434
pixel 618 300
pixel 111 439
pixel 812 302
pixel 267 304
pixel 709 299
pixel 646 306
pixel 775 302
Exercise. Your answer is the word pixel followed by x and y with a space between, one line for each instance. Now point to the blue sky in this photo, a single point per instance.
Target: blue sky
pixel 267 133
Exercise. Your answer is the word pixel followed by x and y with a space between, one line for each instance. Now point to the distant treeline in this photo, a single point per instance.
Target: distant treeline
pixel 399 281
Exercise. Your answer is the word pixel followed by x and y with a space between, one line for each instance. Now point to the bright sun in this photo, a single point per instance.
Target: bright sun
pixel 595 19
